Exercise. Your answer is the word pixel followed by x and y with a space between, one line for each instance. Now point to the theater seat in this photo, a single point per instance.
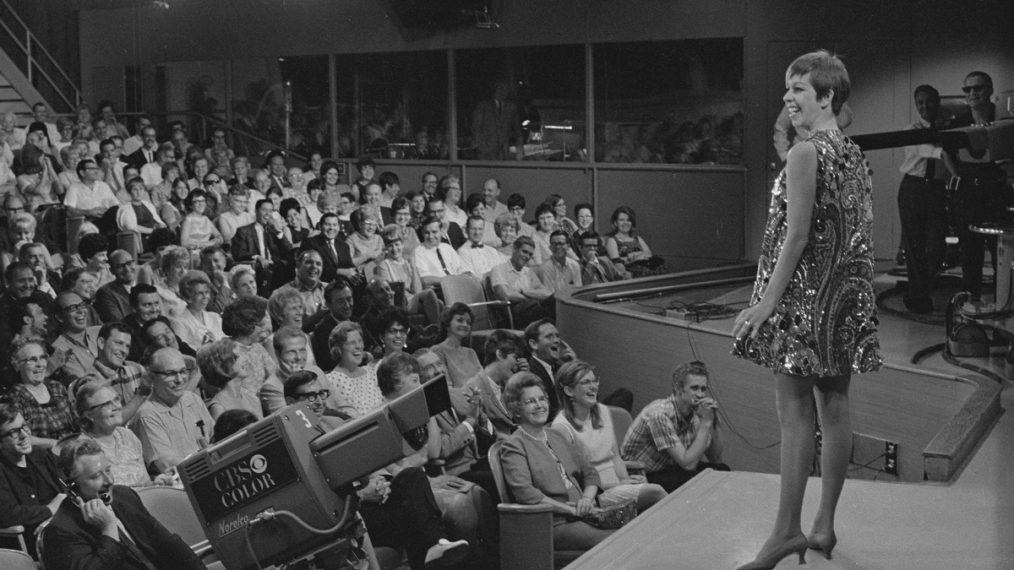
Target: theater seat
pixel 526 531
pixel 173 509
pixel 15 560
pixel 621 423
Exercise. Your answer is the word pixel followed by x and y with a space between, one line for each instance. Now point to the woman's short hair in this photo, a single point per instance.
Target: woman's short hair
pixel 91 245
pixel 162 237
pixel 279 300
pixel 567 377
pixel 400 203
pixel 169 167
pixel 501 341
pixel 392 368
pixel 194 194
pixel 583 206
pixel 239 271
pixel 827 75
pixel 192 279
pixel 504 220
pixel 339 336
pixel 472 202
pixel 444 184
pixel 449 313
pixel 216 362
pixel 25 221
pixel 174 256
pixel 630 215
pixel 241 317
pixel 515 386
pixel 287 205
pixel 388 318
pixel 81 395
pixel 359 218
pixel 230 422
pixel 544 208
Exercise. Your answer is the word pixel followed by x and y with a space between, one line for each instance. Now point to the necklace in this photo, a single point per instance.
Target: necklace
pixel 544 439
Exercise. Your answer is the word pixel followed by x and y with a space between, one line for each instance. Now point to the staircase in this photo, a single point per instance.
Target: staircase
pixel 28 73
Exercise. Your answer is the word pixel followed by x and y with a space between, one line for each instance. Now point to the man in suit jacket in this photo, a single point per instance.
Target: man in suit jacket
pixel 597 268
pixel 112 300
pixel 148 152
pixel 264 243
pixel 102 525
pixel 332 249
pixel 450 232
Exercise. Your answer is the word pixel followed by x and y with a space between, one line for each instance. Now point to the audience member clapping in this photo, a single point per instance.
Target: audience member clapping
pixel 353 385
pixel 395 268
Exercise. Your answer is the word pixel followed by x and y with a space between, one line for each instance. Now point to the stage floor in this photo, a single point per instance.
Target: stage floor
pixel 720 520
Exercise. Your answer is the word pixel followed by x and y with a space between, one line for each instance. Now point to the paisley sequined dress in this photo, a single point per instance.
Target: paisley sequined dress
pixel 825 323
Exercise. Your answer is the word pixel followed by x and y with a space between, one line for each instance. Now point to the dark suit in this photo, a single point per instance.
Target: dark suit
pixel 332 263
pixel 244 248
pixel 112 301
pixel 318 342
pixel 138 159
pixel 73 543
pixel 25 504
pixel 453 236
pixel 548 385
pixel 603 272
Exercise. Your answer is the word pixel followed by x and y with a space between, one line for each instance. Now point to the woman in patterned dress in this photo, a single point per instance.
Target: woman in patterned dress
pixel 812 314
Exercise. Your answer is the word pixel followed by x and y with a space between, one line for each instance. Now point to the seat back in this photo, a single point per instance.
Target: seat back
pixel 621 423
pixel 467 289
pixel 497 470
pixel 15 560
pixel 507 320
pixel 129 242
pixel 173 509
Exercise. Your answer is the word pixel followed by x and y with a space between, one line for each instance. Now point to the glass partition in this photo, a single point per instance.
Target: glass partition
pixel 669 102
pixel 258 103
pixel 305 96
pixel 524 103
pixel 393 105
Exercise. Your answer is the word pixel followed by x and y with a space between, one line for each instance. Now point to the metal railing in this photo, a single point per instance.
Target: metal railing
pixel 41 68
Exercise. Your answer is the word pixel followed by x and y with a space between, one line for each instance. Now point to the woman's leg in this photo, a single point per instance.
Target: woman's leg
pixel 832 395
pixel 794 401
pixel 577 535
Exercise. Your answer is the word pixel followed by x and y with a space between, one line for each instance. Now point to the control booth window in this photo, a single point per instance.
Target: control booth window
pixel 393 105
pixel 523 103
pixel 669 102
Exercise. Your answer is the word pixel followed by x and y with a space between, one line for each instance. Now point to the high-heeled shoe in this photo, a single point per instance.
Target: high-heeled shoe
pixel 825 546
pixel 797 545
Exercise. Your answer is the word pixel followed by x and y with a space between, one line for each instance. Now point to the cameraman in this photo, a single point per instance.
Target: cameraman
pixel 677 437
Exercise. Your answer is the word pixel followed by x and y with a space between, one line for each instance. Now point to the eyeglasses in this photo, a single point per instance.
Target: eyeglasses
pixel 397 331
pixel 41 359
pixel 558 244
pixel 105 406
pixel 127 263
pixel 215 181
pixel 167 375
pixel 541 400
pixel 77 308
pixel 314 396
pixel 977 88
pixel 22 430
pixel 15 210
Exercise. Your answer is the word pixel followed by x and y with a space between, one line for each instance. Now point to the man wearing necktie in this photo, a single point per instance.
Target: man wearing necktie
pixel 101 524
pixel 148 152
pixel 921 199
pixel 265 245
pixel 478 258
pixel 597 268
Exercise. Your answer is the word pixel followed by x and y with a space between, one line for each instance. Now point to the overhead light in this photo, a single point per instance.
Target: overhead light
pixel 163 4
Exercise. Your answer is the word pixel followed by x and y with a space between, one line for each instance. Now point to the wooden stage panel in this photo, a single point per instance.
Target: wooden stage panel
pixel 638 350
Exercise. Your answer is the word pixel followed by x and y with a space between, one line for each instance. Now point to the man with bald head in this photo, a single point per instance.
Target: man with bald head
pixel 490 196
pixel 173 423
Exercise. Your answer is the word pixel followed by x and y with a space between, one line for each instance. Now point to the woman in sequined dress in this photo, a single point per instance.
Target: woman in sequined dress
pixel 812 314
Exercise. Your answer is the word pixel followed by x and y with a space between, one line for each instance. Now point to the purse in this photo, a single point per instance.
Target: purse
pixel 612 517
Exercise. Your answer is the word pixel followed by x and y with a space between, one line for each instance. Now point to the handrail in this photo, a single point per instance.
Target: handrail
pixel 31 60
